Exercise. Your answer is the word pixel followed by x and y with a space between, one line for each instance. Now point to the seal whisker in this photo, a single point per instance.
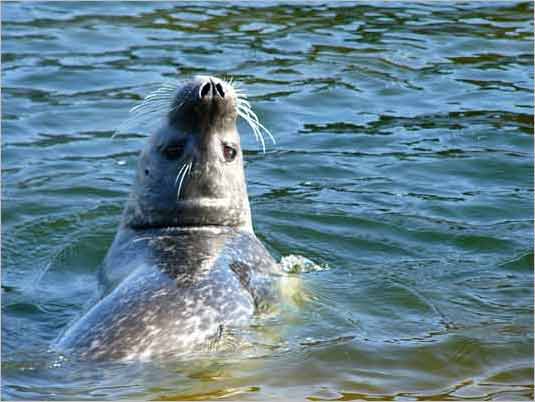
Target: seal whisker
pixel 261 126
pixel 243 112
pixel 248 110
pixel 152 105
pixel 182 176
pixel 188 169
pixel 184 171
pixel 177 107
pixel 227 79
pixel 139 117
pixel 141 238
pixel 144 111
pixel 179 173
pixel 247 107
pixel 252 124
pixel 243 99
pixel 162 95
pixel 160 91
pixel 154 99
pixel 190 166
pixel 155 107
pixel 144 114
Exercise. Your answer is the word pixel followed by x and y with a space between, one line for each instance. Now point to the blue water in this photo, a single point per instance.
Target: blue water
pixel 403 167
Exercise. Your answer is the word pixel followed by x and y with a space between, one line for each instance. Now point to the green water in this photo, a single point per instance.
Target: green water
pixel 403 165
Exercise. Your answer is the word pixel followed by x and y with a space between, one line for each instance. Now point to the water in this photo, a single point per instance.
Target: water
pixel 403 168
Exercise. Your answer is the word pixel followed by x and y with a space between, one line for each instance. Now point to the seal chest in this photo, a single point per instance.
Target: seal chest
pixel 185 263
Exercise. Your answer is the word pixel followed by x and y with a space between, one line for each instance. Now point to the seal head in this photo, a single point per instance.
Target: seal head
pixel 191 170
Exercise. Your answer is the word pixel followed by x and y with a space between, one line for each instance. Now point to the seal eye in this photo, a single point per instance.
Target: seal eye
pixel 173 151
pixel 229 153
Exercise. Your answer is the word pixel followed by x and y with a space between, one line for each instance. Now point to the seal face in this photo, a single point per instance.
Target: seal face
pixel 185 263
pixel 191 171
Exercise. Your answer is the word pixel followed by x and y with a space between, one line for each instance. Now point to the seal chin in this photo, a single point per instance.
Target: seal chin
pixel 213 212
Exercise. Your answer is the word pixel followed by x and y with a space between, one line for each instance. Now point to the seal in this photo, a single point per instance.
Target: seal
pixel 185 263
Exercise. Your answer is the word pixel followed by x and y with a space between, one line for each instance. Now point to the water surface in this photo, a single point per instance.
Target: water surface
pixel 403 164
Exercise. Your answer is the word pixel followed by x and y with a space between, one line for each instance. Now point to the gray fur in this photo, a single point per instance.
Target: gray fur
pixel 182 266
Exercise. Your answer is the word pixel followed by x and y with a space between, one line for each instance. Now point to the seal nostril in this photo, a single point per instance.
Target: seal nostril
pixel 219 89
pixel 205 90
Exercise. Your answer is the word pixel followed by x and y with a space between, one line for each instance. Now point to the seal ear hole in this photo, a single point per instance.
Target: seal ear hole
pixel 146 172
pixel 229 153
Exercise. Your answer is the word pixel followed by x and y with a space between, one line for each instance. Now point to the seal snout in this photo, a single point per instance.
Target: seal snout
pixel 214 102
pixel 212 88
